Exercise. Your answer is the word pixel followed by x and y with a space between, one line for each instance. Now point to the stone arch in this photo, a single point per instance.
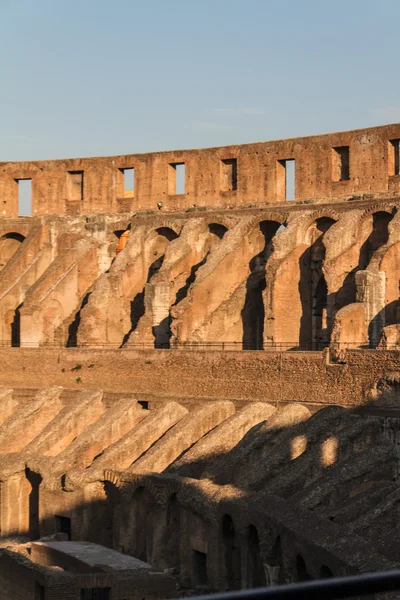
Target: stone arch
pixel 9 244
pixel 167 232
pixel 377 238
pixel 253 312
pixel 231 554
pixel 142 512
pixel 325 572
pixel 301 569
pixel 322 215
pixel 255 569
pixel 173 531
pixel 217 229
pixel 373 241
pixel 15 326
pixel 273 564
pixel 312 286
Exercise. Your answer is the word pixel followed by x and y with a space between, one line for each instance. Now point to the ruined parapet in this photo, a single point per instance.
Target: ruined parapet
pixel 237 175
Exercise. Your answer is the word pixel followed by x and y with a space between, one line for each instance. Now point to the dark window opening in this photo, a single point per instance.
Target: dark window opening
pixel 144 404
pixel 199 568
pixel 341 163
pixel 63 525
pixel 176 178
pixel 75 185
pixel 229 175
pixel 394 157
pixel 24 197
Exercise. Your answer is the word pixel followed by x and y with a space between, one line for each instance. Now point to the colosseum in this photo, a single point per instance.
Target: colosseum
pixel 200 368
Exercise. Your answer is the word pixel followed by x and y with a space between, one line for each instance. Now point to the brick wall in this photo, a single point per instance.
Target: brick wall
pixel 269 376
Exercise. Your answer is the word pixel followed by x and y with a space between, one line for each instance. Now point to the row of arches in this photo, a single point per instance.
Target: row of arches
pixel 229 549
pixel 171 536
pixel 289 303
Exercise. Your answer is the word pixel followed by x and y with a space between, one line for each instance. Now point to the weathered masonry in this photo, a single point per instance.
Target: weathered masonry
pixel 330 167
pixel 199 372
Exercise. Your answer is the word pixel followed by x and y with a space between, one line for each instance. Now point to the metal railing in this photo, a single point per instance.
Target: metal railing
pixel 333 588
pixel 217 346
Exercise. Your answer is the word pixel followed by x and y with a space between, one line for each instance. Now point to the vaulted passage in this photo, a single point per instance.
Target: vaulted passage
pixel 314 334
pixel 159 246
pixel 378 236
pixel 9 244
pixel 232 554
pixel 253 312
pixel 255 569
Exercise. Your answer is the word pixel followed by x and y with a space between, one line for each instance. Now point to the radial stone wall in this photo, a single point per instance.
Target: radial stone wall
pixel 205 377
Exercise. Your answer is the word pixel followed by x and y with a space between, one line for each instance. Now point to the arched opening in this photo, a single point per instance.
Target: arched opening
pixel 173 530
pixel 122 237
pixel 9 244
pixel 320 335
pixel 253 311
pixel 232 558
pixel 325 572
pixel 211 236
pixel 301 569
pixel 217 229
pixel 142 507
pixel 312 287
pixel 159 246
pixel 35 479
pixel 273 566
pixel 377 237
pixel 72 340
pixel 16 328
pixel 255 569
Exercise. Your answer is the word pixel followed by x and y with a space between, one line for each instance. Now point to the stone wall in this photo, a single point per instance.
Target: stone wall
pixel 336 165
pixel 156 375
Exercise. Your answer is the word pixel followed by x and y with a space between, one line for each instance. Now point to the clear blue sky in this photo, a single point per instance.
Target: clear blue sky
pixel 97 77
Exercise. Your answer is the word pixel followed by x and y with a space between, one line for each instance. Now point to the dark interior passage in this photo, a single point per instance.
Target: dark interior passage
pixel 253 311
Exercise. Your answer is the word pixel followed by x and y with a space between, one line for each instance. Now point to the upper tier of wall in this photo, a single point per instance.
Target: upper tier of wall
pixel 336 165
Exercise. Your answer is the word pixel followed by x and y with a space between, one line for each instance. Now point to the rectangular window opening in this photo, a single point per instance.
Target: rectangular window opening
pixel 341 163
pixel 24 197
pixel 229 175
pixel 129 181
pixel 199 568
pixel 290 179
pixel 394 157
pixel 75 185
pixel 286 179
pixel 176 179
pixel 63 525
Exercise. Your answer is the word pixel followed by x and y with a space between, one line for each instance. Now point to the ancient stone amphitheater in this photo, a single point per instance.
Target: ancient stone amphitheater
pixel 201 373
